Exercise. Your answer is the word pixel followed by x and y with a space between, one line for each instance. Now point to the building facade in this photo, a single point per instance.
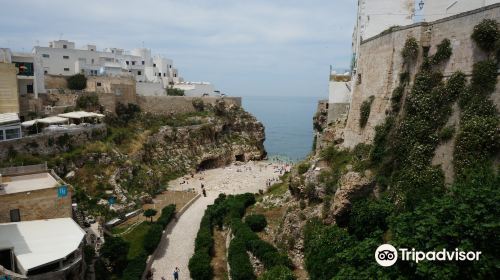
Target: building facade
pixel 27 195
pixel 62 58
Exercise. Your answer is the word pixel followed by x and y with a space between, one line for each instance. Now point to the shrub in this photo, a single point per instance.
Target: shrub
pixel 152 238
pixel 486 34
pixel 115 250
pixel 199 266
pixel 410 50
pixel 175 92
pixel 77 82
pixel 126 113
pixel 167 213
pixel 278 273
pixel 267 253
pixel 446 133
pixel 135 268
pixel 256 222
pixel 88 102
pixel 198 104
pixel 444 52
pixel 368 215
pixel 364 111
pixel 239 262
pixel 303 167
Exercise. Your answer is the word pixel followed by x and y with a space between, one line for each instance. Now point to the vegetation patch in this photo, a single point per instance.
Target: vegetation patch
pixel 364 111
pixel 77 82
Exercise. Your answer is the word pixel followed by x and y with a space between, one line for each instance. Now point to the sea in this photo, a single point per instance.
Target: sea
pixel 288 124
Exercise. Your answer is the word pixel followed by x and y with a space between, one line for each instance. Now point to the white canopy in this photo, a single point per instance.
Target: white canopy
pixel 52 120
pixel 47 120
pixel 28 123
pixel 40 242
pixel 80 114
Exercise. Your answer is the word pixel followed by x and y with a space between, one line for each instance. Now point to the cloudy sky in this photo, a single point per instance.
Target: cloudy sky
pixel 254 47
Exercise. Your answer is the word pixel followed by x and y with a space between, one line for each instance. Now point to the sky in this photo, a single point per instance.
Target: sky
pixel 253 47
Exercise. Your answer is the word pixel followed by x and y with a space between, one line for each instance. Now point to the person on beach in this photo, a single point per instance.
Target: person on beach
pixel 204 192
pixel 176 273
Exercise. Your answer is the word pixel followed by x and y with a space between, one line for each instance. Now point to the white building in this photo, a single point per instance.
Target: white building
pixel 43 249
pixel 375 16
pixel 196 88
pixel 62 58
pixel 30 77
pixel 339 95
pixel 438 9
pixel 10 126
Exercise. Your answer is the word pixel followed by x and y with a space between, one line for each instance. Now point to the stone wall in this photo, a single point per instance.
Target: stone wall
pixel 36 205
pixel 50 143
pixel 380 64
pixel 178 104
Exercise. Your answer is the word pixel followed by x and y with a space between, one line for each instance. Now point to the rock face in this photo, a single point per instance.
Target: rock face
pixel 236 136
pixel 352 185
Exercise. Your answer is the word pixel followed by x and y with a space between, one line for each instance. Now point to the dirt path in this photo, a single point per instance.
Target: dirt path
pixel 178 247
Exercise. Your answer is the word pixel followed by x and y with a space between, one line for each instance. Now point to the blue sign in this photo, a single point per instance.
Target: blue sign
pixel 112 200
pixel 62 191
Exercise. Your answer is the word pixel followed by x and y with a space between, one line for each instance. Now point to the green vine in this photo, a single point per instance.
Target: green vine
pixel 410 50
pixel 443 53
pixel 365 111
pixel 486 34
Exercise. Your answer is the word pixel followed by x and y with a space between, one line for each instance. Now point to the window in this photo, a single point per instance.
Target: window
pixel 133 62
pixel 65 57
pixel 92 61
pixel 143 62
pixel 139 73
pixel 1 135
pixel 13 133
pixel 98 84
pixel 159 74
pixel 45 55
pixel 170 66
pixel 45 72
pixel 65 46
pixel 175 75
pixel 66 69
pixel 29 88
pixel 359 79
pixel 15 216
pixel 127 62
pixel 154 64
pixel 164 75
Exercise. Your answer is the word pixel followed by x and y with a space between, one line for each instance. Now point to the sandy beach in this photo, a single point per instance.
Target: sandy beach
pixel 178 246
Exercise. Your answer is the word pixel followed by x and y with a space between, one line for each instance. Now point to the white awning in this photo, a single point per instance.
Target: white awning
pixel 52 120
pixel 28 123
pixel 41 242
pixel 81 114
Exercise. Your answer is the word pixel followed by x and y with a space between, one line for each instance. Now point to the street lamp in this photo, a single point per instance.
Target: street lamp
pixel 421 4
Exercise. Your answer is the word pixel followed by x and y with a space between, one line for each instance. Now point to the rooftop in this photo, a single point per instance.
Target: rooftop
pixel 8 118
pixel 26 183
pixel 41 242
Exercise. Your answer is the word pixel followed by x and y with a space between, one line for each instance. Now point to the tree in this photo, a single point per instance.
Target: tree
pixel 150 213
pixel 115 250
pixel 77 82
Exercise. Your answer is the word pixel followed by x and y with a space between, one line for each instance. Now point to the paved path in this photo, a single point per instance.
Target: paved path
pixel 178 247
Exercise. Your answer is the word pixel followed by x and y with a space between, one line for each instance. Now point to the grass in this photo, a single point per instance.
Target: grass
pixel 135 238
pixel 279 188
pixel 219 261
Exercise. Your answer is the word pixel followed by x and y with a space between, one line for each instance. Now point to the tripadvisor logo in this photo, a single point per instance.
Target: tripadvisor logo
pixel 387 255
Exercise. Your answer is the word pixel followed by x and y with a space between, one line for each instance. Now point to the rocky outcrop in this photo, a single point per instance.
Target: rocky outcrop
pixel 217 141
pixel 352 185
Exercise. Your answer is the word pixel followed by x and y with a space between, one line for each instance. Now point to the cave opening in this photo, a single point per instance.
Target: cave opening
pixel 240 157
pixel 208 164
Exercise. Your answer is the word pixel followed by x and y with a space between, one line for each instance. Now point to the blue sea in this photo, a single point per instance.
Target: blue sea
pixel 288 123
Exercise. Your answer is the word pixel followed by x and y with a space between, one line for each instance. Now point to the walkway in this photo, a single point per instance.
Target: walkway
pixel 178 247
